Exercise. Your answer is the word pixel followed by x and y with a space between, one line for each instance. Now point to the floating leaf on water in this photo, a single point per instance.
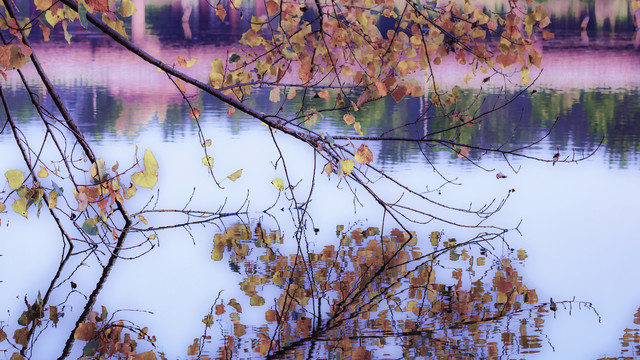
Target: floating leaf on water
pixel 257 300
pixel 234 304
pixel 434 237
pixel 522 254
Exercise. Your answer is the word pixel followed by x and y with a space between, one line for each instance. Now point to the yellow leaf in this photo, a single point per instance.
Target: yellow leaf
pixel 43 173
pixel 635 5
pixel 130 191
pixel 278 184
pixel 143 219
pixel 127 8
pixel 43 5
pixel 149 176
pixel 20 206
pixel 328 169
pixel 363 155
pixel 291 94
pixel 193 349
pixel 54 18
pixel 2 207
pixel 467 78
pixel 349 119
pixel 358 127
pixel 53 199
pixel 117 25
pixel 524 75
pixel 207 143
pixel 15 178
pixel 346 166
pixel 207 161
pixel 274 95
pixel 257 23
pixel 522 254
pixel 235 175
pixel 236 3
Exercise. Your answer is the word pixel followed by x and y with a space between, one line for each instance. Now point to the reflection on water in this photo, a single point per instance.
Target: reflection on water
pixel 373 296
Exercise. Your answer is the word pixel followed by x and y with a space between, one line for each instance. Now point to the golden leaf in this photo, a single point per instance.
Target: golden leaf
pixel 2 207
pixel 20 206
pixel 235 175
pixel 193 349
pixel 43 173
pixel 149 355
pixel 117 25
pixel 278 184
pixel 15 178
pixel 127 8
pixel 207 161
pixel 234 304
pixel 363 155
pixel 43 5
pixel 53 199
pixel 346 166
pixel 149 176
pixel 349 119
pixel 257 300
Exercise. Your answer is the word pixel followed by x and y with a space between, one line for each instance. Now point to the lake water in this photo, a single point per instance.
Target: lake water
pixel 575 222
